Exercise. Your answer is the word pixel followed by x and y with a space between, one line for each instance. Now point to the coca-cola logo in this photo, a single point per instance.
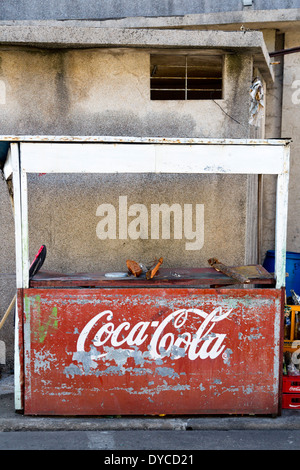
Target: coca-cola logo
pixel 294 389
pixel 173 336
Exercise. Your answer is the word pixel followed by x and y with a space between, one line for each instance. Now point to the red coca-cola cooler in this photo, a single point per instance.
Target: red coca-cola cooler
pixel 171 349
pixel 188 341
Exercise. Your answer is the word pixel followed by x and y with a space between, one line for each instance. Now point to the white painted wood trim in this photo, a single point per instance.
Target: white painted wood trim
pixel 14 162
pixel 86 158
pixel 151 158
pixel 281 222
pixel 17 365
pixel 14 156
pixel 25 234
pixel 229 159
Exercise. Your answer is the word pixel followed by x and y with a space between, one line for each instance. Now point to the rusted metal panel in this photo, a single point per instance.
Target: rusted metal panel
pixel 140 351
pixel 178 277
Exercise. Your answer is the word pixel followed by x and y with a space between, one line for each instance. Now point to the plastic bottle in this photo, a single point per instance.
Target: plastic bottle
pixel 287 326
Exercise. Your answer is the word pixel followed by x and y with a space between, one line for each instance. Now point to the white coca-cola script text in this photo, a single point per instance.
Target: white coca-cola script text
pixel 160 341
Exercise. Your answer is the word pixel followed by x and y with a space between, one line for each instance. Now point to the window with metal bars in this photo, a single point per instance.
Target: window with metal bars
pixel 185 77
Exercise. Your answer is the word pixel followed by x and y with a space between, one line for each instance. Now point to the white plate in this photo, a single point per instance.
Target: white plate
pixel 116 275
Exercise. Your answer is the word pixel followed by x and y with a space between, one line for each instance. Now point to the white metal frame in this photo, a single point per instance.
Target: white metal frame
pixel 50 154
pixel 144 155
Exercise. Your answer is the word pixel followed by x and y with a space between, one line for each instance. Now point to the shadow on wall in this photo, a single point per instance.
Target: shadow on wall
pixel 115 123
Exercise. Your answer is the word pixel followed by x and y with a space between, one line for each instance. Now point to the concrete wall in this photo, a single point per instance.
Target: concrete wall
pixel 106 9
pixel 282 120
pixel 274 42
pixel 290 127
pixel 106 92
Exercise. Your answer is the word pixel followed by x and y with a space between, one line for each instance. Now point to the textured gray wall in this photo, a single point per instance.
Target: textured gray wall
pixel 102 92
pixel 106 92
pixel 106 9
pixel 97 92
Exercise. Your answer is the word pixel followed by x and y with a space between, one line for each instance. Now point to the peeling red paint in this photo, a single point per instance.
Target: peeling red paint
pixel 152 351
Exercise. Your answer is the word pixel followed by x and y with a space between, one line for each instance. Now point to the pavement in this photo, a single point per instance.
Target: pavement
pixel 10 420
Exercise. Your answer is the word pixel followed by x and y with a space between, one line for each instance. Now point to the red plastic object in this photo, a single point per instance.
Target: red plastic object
pixel 291 384
pixel 291 401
